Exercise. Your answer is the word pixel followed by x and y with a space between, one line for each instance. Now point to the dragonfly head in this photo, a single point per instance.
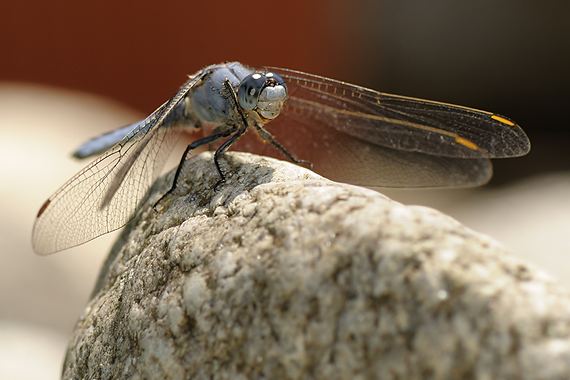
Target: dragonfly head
pixel 263 93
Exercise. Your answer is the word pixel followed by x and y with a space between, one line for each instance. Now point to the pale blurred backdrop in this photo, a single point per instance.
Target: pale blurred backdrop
pixel 71 70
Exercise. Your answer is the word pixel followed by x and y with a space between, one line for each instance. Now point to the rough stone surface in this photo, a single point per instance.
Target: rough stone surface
pixel 280 274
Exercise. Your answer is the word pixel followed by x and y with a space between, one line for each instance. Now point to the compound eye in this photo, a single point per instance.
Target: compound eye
pixel 278 80
pixel 249 90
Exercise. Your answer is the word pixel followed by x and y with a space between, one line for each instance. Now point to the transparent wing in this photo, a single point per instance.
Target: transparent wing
pixel 344 158
pixel 104 195
pixel 400 122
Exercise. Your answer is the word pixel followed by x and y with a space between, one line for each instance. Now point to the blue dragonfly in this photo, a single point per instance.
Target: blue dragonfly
pixel 342 131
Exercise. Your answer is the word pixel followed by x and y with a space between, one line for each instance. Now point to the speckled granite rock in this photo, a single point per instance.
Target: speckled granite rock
pixel 281 274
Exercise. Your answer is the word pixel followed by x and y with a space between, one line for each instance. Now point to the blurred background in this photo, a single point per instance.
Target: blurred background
pixel 72 70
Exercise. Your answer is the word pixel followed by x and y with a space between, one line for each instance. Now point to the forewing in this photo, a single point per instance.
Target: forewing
pixel 103 196
pixel 402 123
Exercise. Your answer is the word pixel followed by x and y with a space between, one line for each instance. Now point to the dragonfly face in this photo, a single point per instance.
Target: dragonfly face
pixel 263 93
pixel 348 133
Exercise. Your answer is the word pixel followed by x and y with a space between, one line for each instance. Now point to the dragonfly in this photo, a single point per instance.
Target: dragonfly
pixel 342 131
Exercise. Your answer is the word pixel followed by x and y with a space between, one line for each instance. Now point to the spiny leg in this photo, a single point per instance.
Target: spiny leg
pixel 192 146
pixel 231 96
pixel 265 135
pixel 222 149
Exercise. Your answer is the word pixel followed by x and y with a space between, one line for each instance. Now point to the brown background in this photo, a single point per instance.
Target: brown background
pixel 509 57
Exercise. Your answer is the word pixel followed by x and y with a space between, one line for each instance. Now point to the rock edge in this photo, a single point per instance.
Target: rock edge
pixel 284 275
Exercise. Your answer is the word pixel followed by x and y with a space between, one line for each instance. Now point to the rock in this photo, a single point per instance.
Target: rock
pixel 281 274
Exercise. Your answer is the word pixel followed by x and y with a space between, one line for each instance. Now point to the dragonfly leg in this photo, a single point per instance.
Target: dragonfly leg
pixel 265 135
pixel 222 149
pixel 230 96
pixel 192 146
